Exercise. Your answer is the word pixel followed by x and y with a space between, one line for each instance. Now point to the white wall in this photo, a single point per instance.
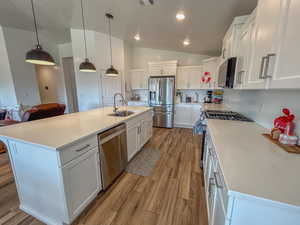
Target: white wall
pixel 25 75
pixel 264 106
pixel 7 90
pixel 141 57
pixel 89 85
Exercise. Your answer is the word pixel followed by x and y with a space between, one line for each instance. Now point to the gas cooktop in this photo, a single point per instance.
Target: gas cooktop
pixel 226 115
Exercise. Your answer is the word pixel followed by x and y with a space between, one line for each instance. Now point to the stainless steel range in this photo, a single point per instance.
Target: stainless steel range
pixel 226 115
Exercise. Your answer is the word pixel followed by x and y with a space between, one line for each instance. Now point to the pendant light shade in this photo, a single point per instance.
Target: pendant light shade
pixel 38 56
pixel 86 65
pixel 111 71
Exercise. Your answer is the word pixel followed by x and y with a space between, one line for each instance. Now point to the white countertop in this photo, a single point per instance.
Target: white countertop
pixel 57 132
pixel 253 165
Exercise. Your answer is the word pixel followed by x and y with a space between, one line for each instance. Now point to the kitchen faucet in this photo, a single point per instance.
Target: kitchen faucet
pixel 123 100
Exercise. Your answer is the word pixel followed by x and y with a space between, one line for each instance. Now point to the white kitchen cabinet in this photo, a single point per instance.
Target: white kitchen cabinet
pixel 186 115
pixel 139 131
pixel 139 79
pixel 81 191
pixel 133 140
pixel 244 53
pixel 189 77
pixel 284 67
pixel 211 65
pixel 163 68
pixel 266 26
pixel 230 41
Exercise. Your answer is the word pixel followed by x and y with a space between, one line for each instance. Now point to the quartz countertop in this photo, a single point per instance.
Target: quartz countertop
pixel 253 165
pixel 57 132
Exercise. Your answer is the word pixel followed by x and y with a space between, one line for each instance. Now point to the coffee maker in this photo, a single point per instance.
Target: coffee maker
pixel 208 97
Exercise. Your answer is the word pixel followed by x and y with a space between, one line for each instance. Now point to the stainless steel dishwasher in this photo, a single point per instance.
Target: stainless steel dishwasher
pixel 113 153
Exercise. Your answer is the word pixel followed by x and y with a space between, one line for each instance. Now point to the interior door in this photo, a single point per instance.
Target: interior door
pixel 266 25
pixel 287 67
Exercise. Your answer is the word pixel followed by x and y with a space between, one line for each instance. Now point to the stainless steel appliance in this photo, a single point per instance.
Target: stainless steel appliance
pixel 227 73
pixel 113 153
pixel 161 98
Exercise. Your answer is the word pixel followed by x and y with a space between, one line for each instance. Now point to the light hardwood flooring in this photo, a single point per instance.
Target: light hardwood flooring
pixel 172 195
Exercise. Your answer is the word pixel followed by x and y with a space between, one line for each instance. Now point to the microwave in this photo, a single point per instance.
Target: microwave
pixel 227 73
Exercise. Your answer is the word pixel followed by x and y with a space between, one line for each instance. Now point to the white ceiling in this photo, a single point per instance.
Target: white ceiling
pixel 205 24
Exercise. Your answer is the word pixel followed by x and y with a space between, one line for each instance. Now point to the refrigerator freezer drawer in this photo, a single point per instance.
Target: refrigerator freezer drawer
pixel 163 119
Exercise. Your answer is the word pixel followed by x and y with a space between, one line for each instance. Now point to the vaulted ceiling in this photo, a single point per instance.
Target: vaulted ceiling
pixel 205 24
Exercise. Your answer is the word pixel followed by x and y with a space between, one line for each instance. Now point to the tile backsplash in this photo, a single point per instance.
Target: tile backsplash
pixel 264 106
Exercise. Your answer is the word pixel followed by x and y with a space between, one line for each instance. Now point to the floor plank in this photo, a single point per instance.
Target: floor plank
pixel 171 195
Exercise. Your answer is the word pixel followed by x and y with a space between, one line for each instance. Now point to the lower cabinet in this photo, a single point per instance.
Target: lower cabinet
pixel 139 131
pixel 79 192
pixel 186 115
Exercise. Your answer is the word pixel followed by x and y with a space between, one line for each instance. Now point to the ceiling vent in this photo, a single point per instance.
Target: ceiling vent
pixel 147 2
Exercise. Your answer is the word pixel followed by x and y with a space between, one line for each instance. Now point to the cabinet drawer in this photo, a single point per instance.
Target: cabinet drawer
pixel 78 148
pixel 219 178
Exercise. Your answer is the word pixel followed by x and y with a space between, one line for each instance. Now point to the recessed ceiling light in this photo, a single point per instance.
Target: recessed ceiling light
pixel 137 37
pixel 186 42
pixel 180 16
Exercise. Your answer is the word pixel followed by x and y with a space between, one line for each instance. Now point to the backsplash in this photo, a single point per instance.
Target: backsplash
pixel 196 95
pixel 264 106
pixel 142 93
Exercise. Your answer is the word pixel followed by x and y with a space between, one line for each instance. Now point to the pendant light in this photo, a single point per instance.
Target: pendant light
pixel 111 71
pixel 38 55
pixel 86 65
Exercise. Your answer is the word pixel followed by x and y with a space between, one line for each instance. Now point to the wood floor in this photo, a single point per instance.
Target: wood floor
pixel 172 195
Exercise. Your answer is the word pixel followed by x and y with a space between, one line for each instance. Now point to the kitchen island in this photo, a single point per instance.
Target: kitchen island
pixel 56 161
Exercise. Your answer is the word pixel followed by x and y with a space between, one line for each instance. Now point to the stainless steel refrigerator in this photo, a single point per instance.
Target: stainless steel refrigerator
pixel 161 98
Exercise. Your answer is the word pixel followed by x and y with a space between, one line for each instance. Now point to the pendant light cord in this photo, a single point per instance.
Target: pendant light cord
pixel 35 24
pixel 83 26
pixel 109 27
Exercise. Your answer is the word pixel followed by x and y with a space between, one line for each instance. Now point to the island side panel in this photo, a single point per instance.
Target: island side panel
pixel 38 181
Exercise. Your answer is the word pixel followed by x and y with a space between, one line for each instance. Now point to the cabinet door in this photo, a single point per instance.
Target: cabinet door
pixel 194 78
pixel 169 69
pixel 287 67
pixel 219 215
pixel 196 112
pixel 155 69
pixel 183 116
pixel 133 140
pixel 244 56
pixel 135 79
pixel 211 66
pixel 182 78
pixel 82 181
pixel 266 24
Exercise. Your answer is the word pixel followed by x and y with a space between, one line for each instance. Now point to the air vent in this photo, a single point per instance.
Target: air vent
pixel 147 2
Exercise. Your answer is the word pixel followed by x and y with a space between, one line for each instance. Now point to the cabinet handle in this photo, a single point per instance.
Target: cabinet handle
pixel 83 148
pixel 240 76
pixel 268 65
pixel 262 65
pixel 218 184
pixel 224 50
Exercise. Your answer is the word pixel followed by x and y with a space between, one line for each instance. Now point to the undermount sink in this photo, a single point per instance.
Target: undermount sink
pixel 122 113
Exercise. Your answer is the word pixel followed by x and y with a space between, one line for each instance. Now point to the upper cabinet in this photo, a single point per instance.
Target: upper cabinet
pixel 269 47
pixel 211 66
pixel 139 79
pixel 230 41
pixel 245 52
pixel 189 77
pixel 163 68
pixel 284 67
